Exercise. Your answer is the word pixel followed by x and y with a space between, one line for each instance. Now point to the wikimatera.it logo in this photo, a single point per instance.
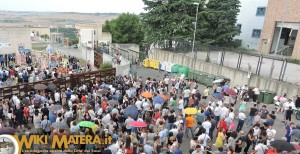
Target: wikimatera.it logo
pixel 17 144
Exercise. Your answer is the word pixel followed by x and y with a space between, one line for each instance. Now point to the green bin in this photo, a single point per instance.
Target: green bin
pixel 197 76
pixel 204 78
pixel 261 96
pixel 191 74
pixel 183 70
pixel 175 68
pixel 210 80
pixel 269 97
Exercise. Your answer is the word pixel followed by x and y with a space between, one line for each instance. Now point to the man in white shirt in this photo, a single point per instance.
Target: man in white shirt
pixel 217 113
pixel 180 104
pixel 260 148
pixel 206 125
pixel 204 137
pixel 224 111
pixel 127 124
pixel 242 118
pixel 186 95
pixel 56 97
pixel 271 132
pixel 174 130
pixel 220 102
pixel 139 104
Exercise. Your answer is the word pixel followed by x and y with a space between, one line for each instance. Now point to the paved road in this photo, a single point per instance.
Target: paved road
pixel 279 126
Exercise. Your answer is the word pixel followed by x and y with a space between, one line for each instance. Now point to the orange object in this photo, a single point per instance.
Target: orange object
pixel 163 96
pixel 60 70
pixel 190 121
pixel 147 94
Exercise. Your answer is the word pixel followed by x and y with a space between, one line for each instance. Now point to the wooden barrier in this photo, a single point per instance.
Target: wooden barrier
pixel 61 83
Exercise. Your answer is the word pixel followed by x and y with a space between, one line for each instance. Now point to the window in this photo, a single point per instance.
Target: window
pixel 239 28
pixel 256 33
pixel 261 11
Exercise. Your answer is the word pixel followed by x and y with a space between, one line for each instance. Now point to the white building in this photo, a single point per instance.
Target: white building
pixel 92 36
pixel 250 21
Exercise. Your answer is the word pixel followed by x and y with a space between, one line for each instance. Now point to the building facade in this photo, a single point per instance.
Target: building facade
pixel 281 25
pixel 250 22
pixel 92 36
pixel 38 32
pixel 12 37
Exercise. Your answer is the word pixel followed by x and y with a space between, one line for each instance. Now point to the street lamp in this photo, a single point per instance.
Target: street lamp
pixel 193 47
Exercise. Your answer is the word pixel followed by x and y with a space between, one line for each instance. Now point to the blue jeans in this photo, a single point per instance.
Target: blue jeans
pixel 169 126
pixel 187 132
pixel 240 125
pixel 249 121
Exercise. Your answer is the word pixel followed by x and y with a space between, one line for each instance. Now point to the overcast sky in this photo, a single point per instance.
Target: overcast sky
pixel 85 6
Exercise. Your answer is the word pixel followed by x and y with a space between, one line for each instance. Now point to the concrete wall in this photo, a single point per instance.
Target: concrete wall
pixel 10 38
pixel 81 53
pixel 122 69
pixel 237 77
pixel 249 20
pixel 277 11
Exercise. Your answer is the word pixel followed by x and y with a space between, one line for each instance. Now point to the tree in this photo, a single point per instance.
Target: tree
pixel 169 20
pixel 218 20
pixel 127 28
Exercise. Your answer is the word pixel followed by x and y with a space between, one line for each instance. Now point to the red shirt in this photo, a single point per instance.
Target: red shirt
pixel 12 72
pixel 104 105
pixel 83 99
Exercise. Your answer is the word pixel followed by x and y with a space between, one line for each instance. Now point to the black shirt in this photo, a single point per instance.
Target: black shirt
pixel 45 111
pixel 171 118
pixel 19 115
pixel 297 103
pixel 289 113
pixel 252 111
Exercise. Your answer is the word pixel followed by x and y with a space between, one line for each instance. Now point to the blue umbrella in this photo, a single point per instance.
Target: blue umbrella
pixel 158 99
pixel 132 111
pixel 218 95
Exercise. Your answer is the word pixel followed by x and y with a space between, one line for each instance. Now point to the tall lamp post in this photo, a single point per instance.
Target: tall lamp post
pixel 193 47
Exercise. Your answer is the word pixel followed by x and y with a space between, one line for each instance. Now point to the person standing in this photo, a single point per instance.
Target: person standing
pixel 220 139
pixel 127 124
pixel 190 121
pixel 260 148
pixel 271 132
pixel 252 113
pixel 264 112
pixel 186 95
pixel 46 125
pixel 19 117
pixel 205 93
pixel 206 125
pixel 180 104
pixel 242 118
pixel 217 113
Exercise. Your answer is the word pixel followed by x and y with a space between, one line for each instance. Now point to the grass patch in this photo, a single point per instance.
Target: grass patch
pixel 38 48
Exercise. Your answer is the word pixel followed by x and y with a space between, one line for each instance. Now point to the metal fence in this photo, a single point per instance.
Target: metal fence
pixel 275 67
pixel 22 90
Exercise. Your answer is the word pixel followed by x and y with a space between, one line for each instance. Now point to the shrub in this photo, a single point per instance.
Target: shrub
pixel 105 65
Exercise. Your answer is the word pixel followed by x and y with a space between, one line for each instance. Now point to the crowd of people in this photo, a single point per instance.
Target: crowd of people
pixel 12 74
pixel 168 126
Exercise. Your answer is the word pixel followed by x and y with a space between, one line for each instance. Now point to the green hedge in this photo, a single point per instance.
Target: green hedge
pixel 105 66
